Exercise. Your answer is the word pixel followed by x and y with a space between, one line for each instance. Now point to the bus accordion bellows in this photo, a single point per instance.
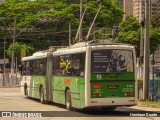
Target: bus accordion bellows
pixel 91 74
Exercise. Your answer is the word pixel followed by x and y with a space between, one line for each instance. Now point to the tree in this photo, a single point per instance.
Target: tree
pixel 19 47
pixel 47 20
pixel 130 33
pixel 154 39
pixel 155 22
pixel 155 30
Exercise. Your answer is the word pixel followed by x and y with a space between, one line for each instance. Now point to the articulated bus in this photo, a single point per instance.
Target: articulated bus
pixel 85 75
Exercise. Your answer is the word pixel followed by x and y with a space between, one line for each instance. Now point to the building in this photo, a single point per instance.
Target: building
pixel 127 8
pixel 155 5
pixel 120 3
pixel 139 8
pixel 126 5
pixel 2 0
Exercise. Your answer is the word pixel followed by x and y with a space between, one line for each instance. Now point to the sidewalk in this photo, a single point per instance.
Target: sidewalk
pixel 147 107
pixel 9 86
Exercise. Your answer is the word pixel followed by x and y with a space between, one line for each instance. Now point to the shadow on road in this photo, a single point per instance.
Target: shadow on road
pixel 94 112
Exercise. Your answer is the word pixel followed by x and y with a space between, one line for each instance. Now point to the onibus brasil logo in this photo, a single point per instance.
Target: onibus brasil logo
pixel 21 114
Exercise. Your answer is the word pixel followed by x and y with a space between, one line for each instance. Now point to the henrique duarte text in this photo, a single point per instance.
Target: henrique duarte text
pixel 143 114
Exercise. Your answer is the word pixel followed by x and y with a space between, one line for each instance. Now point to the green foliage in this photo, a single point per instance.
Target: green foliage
pixel 153 104
pixel 28 12
pixel 130 33
pixel 131 37
pixel 155 32
pixel 108 15
pixel 129 24
pixel 48 20
pixel 154 39
pixel 18 48
pixel 155 22
pixel 25 12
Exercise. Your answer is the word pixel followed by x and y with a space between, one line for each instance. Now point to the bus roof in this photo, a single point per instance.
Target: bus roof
pixel 36 55
pixel 95 43
pixel 99 42
pixel 81 47
pixel 78 47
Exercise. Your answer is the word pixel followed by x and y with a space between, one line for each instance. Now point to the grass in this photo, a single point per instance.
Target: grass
pixel 149 102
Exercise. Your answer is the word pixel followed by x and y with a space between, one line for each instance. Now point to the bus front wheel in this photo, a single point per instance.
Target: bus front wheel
pixel 68 100
pixel 42 95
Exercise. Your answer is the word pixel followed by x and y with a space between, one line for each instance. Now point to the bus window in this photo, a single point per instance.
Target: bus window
pixel 27 68
pixel 107 61
pixel 77 65
pixel 42 66
pixel 69 65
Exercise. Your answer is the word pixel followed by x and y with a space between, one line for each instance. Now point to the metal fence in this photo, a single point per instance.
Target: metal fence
pixel 154 90
pixel 8 80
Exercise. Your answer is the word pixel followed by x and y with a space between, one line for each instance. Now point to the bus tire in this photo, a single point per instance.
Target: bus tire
pixel 68 100
pixel 42 95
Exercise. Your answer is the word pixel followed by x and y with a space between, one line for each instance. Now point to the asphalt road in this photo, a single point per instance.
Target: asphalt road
pixel 12 101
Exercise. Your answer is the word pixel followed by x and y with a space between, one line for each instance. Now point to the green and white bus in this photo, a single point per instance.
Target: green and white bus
pixel 85 75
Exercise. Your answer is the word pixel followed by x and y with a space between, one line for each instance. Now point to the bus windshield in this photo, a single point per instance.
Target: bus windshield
pixel 110 61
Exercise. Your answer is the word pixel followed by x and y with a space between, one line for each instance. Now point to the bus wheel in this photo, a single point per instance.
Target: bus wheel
pixel 42 95
pixel 68 100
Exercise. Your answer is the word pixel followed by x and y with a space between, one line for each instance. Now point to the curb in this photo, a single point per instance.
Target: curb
pixel 11 86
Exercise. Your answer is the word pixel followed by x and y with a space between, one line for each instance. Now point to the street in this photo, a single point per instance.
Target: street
pixel 11 100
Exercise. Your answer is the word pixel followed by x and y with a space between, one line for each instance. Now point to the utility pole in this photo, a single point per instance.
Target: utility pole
pixel 146 53
pixel 70 28
pixel 153 76
pixel 13 48
pixel 81 12
pixel 4 64
pixel 70 34
pixel 141 41
pixel 153 62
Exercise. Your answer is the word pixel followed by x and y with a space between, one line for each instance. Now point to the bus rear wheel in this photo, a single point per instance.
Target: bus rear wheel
pixel 68 100
pixel 42 95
